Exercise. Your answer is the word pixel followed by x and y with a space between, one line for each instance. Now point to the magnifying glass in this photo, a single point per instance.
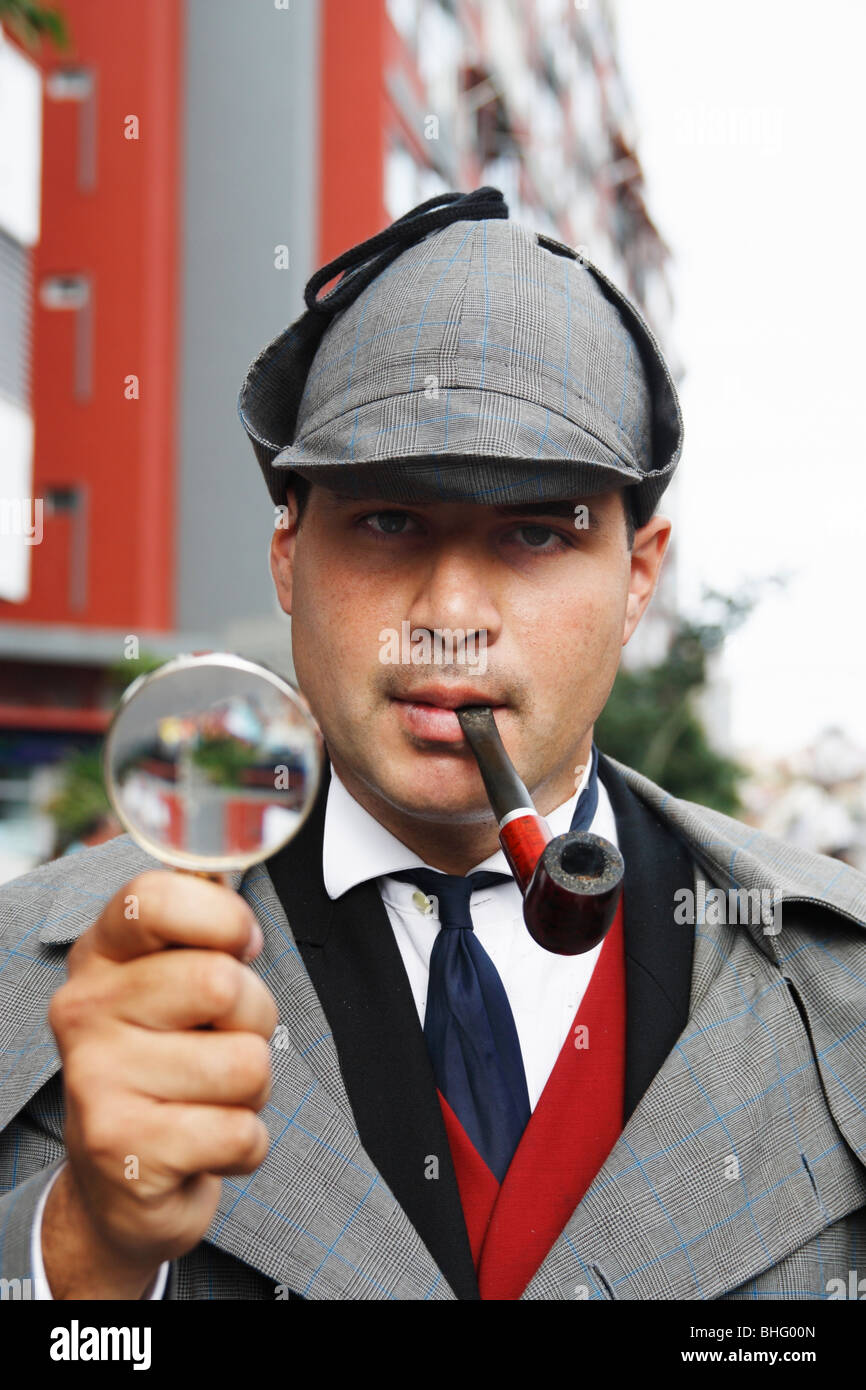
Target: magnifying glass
pixel 212 763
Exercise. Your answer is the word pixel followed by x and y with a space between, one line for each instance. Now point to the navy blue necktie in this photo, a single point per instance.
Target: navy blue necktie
pixel 468 1025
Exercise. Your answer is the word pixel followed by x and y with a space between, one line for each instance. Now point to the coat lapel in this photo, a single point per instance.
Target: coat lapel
pixel 815 939
pixel 350 953
pixel 316 1216
pixel 693 1201
pixel 658 954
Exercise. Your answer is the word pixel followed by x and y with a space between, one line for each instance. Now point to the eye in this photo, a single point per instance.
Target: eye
pixel 390 523
pixel 538 537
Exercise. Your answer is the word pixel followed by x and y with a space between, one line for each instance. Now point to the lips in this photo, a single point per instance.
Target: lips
pixel 449 697
pixel 429 713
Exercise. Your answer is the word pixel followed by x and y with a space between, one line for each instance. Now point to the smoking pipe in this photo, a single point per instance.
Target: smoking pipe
pixel 570 883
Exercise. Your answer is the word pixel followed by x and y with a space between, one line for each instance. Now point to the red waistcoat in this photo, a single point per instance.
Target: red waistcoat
pixel 571 1131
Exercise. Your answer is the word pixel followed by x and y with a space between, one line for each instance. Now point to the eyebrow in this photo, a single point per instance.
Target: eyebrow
pixel 549 508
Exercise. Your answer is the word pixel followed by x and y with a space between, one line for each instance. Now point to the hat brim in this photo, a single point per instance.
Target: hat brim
pixel 414 449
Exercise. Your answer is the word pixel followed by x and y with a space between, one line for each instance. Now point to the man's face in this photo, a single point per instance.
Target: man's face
pixel 370 584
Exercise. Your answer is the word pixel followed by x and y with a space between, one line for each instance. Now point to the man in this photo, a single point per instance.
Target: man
pixel 469 434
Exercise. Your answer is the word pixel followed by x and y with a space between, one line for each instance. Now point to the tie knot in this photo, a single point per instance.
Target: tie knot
pixel 451 891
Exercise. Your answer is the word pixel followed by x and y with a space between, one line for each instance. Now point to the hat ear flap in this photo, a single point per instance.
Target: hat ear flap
pixel 666 441
pixel 666 425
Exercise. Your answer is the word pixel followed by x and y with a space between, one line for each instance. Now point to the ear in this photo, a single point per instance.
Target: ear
pixel 282 550
pixel 647 553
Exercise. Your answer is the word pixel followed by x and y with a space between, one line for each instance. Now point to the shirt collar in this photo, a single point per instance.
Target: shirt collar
pixel 355 847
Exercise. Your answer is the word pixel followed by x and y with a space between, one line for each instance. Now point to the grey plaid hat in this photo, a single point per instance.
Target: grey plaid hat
pixel 465 357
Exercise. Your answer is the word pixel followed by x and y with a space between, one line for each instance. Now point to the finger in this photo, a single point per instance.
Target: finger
pixel 184 989
pixel 199 1068
pixel 182 1140
pixel 159 908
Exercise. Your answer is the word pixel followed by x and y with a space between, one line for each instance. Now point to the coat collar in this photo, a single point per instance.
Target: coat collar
pixel 736 855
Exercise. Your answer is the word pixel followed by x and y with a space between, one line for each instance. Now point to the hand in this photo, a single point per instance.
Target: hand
pixel 163 1035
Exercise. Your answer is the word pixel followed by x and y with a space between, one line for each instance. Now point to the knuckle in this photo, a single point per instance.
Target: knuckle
pixel 250 1062
pixel 98 1134
pixel 263 999
pixel 250 1140
pixel 237 910
pixel 57 1009
pixel 78 950
pixel 68 1009
pixel 264 1094
pixel 152 888
pixel 273 1014
pixel 235 916
pixel 81 1079
pixel 219 983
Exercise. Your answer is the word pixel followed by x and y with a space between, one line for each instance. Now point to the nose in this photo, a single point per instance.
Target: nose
pixel 456 591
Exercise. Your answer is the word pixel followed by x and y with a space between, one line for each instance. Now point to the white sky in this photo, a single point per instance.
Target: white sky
pixel 751 136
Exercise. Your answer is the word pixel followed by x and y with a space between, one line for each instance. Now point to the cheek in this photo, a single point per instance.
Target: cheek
pixel 330 598
pixel 315 630
pixel 335 628
pixel 576 625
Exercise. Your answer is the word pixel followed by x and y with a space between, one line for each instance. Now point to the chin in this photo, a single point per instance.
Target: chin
pixel 435 793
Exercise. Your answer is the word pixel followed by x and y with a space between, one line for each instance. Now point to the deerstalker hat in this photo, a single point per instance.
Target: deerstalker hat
pixel 465 357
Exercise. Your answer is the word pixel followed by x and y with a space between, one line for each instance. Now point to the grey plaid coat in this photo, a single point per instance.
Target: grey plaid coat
pixel 739 1174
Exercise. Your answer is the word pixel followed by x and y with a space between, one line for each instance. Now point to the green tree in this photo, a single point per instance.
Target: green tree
pixel 81 801
pixel 123 672
pixel 32 23
pixel 650 721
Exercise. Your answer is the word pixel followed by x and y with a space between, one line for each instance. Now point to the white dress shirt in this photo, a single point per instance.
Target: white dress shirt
pixel 544 990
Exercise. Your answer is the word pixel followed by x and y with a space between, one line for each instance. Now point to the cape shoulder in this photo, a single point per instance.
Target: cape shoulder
pixel 55 902
pixel 740 856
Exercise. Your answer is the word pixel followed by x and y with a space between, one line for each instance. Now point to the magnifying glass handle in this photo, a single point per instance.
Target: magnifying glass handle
pixel 215 875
